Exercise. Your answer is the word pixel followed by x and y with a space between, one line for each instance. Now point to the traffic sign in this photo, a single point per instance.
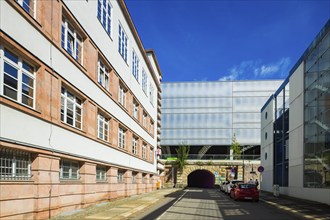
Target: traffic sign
pixel 261 169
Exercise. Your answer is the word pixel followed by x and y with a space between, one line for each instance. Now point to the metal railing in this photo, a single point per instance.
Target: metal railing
pixel 212 157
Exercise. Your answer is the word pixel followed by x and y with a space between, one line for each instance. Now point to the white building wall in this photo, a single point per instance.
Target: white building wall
pixel 40 47
pixel 296 137
pixel 266 147
pixel 86 14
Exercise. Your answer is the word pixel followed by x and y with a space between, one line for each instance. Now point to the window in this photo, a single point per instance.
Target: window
pixel 101 173
pixel 104 14
pixel 151 154
pixel 122 43
pixel 28 6
pixel 150 179
pixel 102 127
pixel 144 178
pixel 135 66
pixel 69 170
pixel 151 94
pixel 120 176
pixel 18 78
pixel 144 81
pixel 151 127
pixel 71 109
pixel 14 165
pixel 122 95
pixel 71 41
pixel 103 75
pixel 121 137
pixel 135 146
pixel 135 109
pixel 144 119
pixel 144 153
pixel 134 177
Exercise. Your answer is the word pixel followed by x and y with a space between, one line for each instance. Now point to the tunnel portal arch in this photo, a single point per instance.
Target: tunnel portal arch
pixel 201 178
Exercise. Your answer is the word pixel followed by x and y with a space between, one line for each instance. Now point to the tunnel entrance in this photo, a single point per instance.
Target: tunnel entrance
pixel 201 179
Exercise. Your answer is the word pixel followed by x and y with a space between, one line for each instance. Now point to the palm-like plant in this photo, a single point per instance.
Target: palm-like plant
pixel 182 156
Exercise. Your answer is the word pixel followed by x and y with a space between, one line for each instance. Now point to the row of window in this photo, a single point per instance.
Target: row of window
pixel 71 113
pixel 104 14
pixel 18 81
pixel 72 42
pixel 16 165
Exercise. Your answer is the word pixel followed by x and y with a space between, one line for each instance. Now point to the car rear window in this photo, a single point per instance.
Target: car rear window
pixel 247 186
pixel 237 181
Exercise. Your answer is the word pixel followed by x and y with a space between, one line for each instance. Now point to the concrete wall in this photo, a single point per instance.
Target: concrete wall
pixel 267 146
pixel 296 128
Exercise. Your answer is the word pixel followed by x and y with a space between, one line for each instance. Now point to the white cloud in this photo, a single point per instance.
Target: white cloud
pixel 255 69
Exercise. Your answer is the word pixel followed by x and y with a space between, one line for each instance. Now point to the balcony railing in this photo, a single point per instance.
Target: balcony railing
pixel 212 157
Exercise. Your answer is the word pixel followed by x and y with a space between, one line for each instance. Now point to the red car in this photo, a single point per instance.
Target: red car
pixel 245 191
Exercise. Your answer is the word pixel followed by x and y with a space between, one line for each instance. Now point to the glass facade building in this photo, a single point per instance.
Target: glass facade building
pixel 317 115
pixel 203 114
pixel 296 155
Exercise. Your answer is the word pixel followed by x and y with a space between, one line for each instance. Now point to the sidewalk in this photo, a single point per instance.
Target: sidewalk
pixel 118 209
pixel 302 208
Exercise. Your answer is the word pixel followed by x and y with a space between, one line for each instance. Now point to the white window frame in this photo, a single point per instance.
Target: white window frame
pixel 76 105
pixel 121 138
pixel 135 65
pixel 144 82
pixel 151 93
pixel 134 175
pixel 31 12
pixel 13 161
pixel 151 127
pixel 20 72
pixel 72 165
pixel 122 96
pixel 102 127
pixel 144 177
pixel 135 109
pixel 151 154
pixel 144 119
pixel 135 143
pixel 107 8
pixel 101 173
pixel 120 176
pixel 77 39
pixel 103 75
pixel 122 43
pixel 144 151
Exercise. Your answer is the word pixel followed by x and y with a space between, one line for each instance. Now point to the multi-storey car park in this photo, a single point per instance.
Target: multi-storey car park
pixel 206 116
pixel 79 108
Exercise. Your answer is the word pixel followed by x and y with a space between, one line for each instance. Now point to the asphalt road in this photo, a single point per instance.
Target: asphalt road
pixel 195 203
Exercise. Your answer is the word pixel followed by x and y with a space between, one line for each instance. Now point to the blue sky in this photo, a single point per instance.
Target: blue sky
pixel 207 40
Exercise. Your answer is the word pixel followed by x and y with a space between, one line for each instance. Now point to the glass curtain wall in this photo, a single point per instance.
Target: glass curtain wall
pixel 317 116
pixel 281 137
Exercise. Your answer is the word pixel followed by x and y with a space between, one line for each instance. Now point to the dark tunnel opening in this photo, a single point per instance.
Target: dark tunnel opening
pixel 201 179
